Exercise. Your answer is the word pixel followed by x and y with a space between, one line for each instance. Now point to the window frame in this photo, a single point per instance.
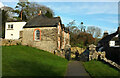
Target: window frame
pixel 10 26
pixel 34 34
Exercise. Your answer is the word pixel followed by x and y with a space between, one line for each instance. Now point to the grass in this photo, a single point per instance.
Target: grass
pixel 28 61
pixel 99 69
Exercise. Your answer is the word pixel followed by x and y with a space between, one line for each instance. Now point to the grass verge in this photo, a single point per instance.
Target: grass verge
pixel 98 69
pixel 28 61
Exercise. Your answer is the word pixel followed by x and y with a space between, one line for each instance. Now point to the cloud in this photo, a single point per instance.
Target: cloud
pixel 1 4
pixel 86 7
pixel 105 8
pixel 109 20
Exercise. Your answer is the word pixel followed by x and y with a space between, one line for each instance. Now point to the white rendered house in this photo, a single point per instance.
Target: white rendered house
pixel 12 29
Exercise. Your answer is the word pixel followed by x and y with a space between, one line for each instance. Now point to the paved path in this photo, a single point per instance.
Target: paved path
pixel 75 68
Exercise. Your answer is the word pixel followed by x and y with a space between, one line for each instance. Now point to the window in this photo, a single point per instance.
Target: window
pixel 37 34
pixel 10 26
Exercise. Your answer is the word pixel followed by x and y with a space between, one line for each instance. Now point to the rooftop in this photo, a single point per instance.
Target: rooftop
pixel 42 21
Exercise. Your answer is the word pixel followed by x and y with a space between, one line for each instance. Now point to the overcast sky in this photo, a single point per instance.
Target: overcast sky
pixel 101 14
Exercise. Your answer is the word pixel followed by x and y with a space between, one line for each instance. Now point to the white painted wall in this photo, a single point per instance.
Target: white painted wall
pixel 17 27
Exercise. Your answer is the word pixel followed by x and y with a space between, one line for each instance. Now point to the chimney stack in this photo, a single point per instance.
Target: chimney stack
pixel 105 33
pixel 58 16
pixel 40 12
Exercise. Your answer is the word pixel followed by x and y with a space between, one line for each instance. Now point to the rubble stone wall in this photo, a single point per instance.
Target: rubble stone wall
pixel 48 40
pixel 9 42
pixel 93 54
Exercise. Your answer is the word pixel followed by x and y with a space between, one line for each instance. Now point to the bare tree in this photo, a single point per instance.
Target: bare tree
pixel 97 32
pixel 94 31
pixel 74 29
pixel 91 29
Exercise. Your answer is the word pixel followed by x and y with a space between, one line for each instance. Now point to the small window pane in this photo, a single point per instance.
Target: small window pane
pixel 8 26
pixel 12 26
pixel 37 35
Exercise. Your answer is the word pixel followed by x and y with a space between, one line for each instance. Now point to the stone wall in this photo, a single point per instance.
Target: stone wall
pixel 112 63
pixel 9 42
pixel 74 49
pixel 62 52
pixel 48 40
pixel 93 54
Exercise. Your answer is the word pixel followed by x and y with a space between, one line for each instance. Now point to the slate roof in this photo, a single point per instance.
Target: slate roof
pixel 42 21
pixel 107 38
pixel 115 39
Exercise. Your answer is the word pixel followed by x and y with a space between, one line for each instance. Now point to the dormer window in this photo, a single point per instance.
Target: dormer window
pixel 10 26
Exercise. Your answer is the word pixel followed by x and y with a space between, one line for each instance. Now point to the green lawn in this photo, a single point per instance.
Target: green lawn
pixel 27 61
pixel 99 69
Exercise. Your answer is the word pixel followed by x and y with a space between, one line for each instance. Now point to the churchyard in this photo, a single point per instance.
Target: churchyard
pixel 36 42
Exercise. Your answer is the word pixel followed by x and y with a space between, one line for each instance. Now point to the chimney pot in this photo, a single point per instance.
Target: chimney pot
pixel 105 33
pixel 58 16
pixel 40 12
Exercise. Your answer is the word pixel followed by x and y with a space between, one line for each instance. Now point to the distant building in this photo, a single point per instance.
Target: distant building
pixel 41 32
pixel 114 42
pixel 111 45
pixel 45 33
pixel 12 29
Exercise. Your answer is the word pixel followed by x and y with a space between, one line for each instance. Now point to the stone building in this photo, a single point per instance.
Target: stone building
pixel 45 33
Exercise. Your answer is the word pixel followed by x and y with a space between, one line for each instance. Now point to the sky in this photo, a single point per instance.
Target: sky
pixel 99 14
